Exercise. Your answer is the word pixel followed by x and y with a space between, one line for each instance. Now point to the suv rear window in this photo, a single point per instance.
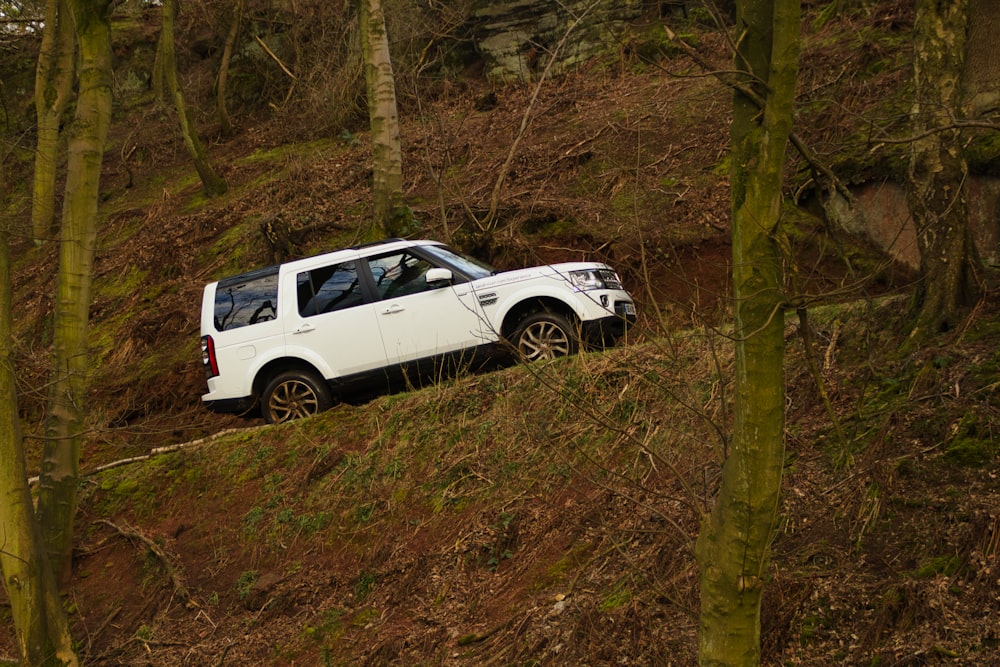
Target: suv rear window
pixel 246 299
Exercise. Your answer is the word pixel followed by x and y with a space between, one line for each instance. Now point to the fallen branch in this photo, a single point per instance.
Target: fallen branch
pixel 167 449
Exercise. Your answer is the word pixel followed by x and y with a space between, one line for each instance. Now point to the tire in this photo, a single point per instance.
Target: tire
pixel 293 395
pixel 543 336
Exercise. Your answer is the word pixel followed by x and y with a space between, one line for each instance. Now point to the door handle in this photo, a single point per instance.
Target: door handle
pixel 305 328
pixel 393 309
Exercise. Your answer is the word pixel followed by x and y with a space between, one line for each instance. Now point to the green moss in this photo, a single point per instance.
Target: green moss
pixel 567 566
pixel 946 565
pixel 971 452
pixel 983 153
pixel 620 596
pixel 240 246
pixel 551 225
pixel 972 445
pixel 279 154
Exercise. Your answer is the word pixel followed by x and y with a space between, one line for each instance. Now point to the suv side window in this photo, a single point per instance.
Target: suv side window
pixel 329 288
pixel 399 274
pixel 247 299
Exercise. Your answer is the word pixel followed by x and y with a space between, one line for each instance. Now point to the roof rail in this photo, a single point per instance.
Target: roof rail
pixel 374 243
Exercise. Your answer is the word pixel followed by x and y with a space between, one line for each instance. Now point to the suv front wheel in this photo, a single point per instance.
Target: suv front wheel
pixel 544 336
pixel 293 395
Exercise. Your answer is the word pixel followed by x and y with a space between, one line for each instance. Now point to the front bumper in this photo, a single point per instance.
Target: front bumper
pixel 606 331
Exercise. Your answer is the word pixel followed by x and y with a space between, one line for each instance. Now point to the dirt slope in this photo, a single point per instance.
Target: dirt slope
pixel 522 517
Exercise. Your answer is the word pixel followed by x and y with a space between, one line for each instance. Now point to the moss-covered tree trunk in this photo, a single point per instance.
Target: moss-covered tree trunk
pixel 40 623
pixel 391 215
pixel 733 543
pixel 53 89
pixel 225 122
pixel 212 184
pixel 938 173
pixel 67 389
pixel 981 71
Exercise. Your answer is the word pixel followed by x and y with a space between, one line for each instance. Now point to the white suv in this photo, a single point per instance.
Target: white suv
pixel 291 338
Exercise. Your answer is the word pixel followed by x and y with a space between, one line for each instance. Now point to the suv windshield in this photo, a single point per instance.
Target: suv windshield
pixel 470 266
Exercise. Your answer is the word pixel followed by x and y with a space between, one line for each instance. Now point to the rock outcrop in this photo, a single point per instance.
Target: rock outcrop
pixel 518 38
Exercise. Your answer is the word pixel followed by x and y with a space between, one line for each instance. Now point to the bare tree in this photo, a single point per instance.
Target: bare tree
pixel 227 55
pixel 43 636
pixel 212 184
pixel 733 543
pixel 67 390
pixel 53 89
pixel 391 214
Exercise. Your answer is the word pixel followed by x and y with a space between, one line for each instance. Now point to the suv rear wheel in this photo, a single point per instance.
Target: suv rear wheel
pixel 293 395
pixel 545 335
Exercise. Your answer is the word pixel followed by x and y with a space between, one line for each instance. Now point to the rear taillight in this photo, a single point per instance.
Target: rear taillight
pixel 208 356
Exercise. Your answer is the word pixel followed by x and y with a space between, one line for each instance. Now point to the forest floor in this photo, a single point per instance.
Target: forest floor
pixel 527 515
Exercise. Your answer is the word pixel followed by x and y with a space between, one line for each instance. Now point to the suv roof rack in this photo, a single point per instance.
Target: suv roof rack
pixel 247 276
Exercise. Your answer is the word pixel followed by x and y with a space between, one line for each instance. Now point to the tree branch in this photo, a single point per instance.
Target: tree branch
pixel 728 77
pixel 156 451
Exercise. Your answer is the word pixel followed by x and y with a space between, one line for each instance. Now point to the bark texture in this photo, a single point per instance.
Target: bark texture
pixel 53 89
pixel 938 172
pixel 981 73
pixel 391 215
pixel 733 543
pixel 67 389
pixel 40 623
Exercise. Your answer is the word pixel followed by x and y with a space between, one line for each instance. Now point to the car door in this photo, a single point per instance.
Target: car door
pixel 333 320
pixel 419 320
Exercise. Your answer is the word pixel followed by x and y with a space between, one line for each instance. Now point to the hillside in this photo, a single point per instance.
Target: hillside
pixel 540 515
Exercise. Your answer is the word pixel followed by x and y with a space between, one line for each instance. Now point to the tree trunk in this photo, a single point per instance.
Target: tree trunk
pixel 40 623
pixel 938 173
pixel 156 76
pixel 212 184
pixel 53 89
pixel 981 73
pixel 391 215
pixel 733 543
pixel 64 421
pixel 227 54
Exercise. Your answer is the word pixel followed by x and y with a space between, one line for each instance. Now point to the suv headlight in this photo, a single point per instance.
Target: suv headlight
pixel 595 279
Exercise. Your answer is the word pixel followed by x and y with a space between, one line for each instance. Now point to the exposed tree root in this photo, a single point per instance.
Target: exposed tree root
pixel 180 589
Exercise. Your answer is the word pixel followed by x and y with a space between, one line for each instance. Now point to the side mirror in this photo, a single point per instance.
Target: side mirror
pixel 438 277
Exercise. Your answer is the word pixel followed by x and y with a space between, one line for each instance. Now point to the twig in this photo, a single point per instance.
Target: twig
pixel 97 633
pixel 805 333
pixel 489 223
pixel 274 57
pixel 728 78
